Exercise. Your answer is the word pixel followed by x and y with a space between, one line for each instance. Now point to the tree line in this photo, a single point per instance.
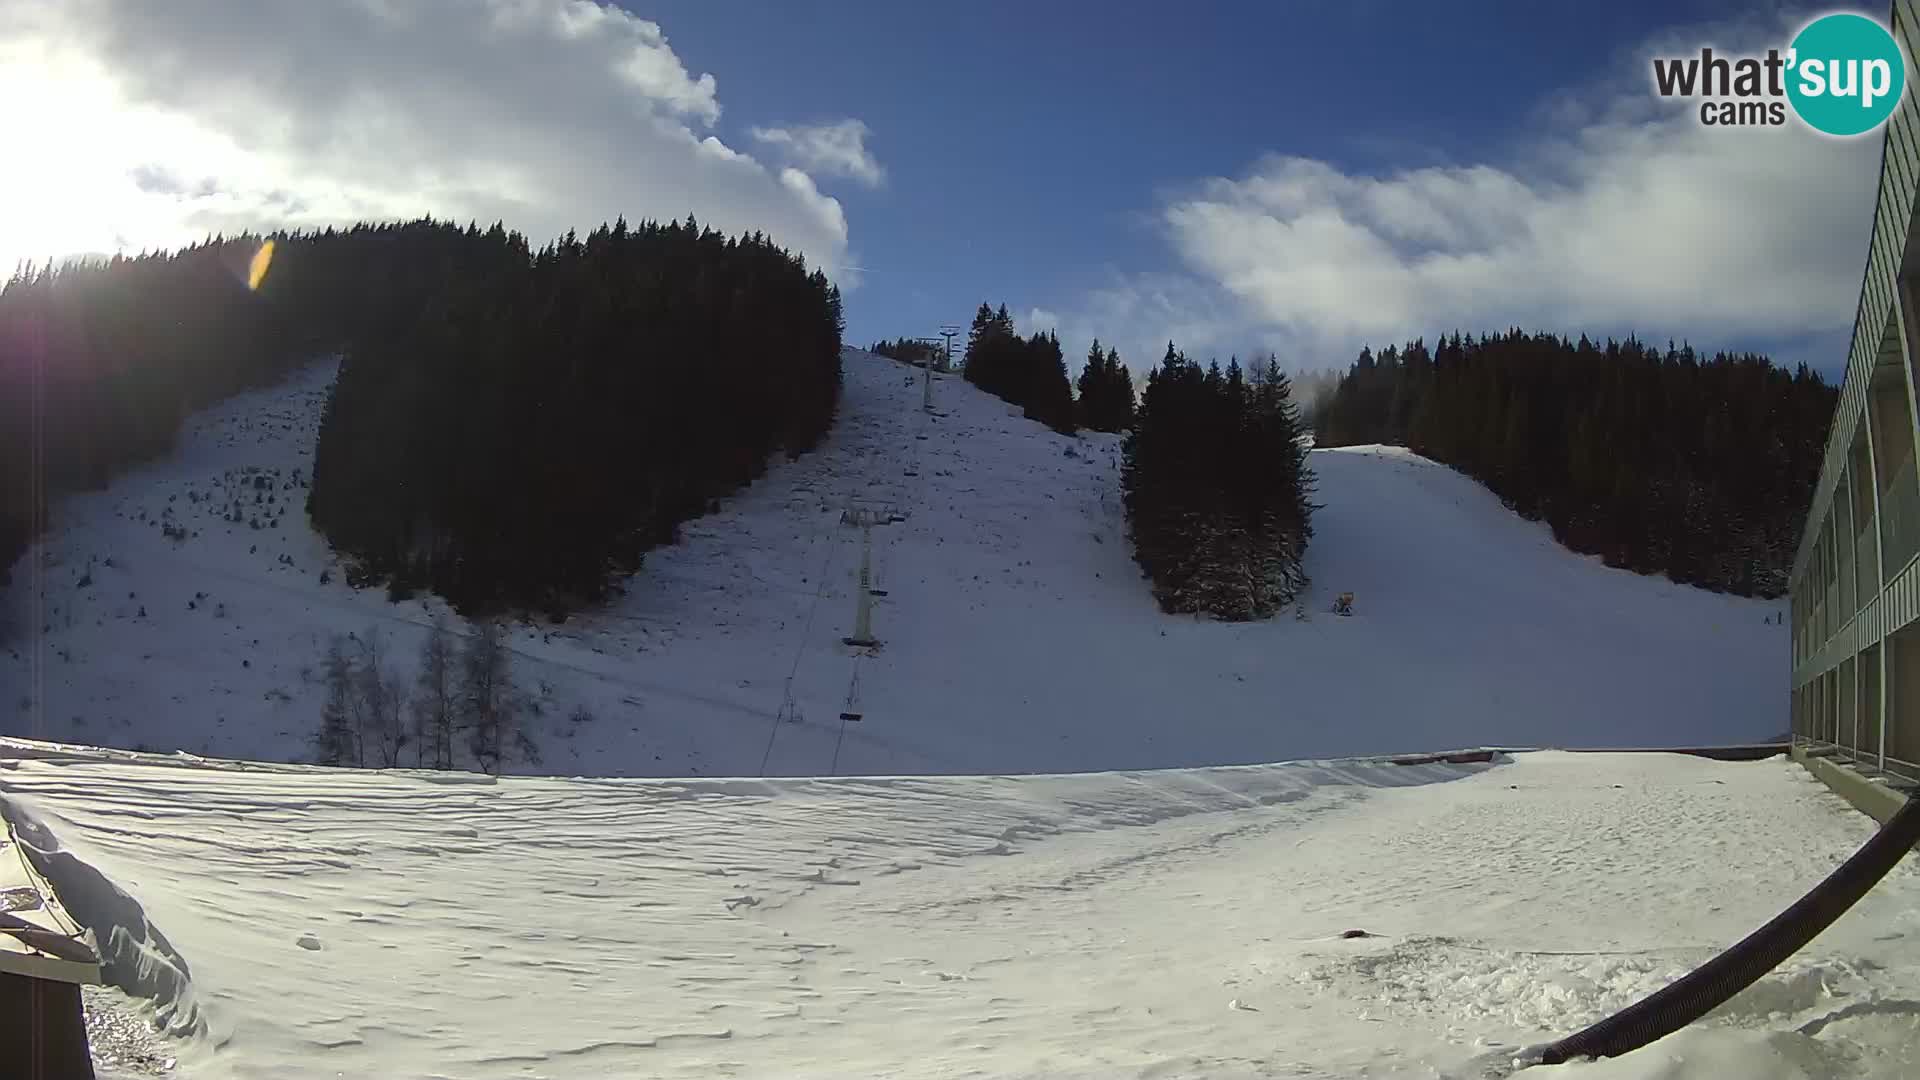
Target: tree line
pixel 1217 488
pixel 1657 460
pixel 1214 478
pixel 547 418
pixel 101 361
pixel 1030 372
pixel 1105 399
pixel 509 428
pixel 909 351
pixel 1311 390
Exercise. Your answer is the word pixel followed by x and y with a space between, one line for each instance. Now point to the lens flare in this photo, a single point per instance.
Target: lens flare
pixel 257 269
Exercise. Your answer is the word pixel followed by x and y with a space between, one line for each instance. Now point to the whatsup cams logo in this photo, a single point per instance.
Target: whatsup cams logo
pixel 1842 74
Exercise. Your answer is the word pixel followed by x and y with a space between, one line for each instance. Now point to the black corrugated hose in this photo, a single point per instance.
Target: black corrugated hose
pixel 1673 1007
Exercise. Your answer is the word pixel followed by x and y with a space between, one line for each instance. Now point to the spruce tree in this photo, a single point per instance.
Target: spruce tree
pixel 980 331
pixel 1216 489
pixel 1093 389
pixel 1120 392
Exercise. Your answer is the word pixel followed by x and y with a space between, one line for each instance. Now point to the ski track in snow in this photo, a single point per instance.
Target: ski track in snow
pixel 1017 633
pixel 1163 924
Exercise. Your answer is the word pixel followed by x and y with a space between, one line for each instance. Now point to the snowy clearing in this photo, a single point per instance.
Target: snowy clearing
pixel 1018 635
pixel 1158 924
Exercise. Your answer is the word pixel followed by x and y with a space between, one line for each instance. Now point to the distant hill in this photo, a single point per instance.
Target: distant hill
pixel 1017 633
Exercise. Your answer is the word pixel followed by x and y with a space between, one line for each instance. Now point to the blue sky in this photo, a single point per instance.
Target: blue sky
pixel 1300 178
pixel 1027 146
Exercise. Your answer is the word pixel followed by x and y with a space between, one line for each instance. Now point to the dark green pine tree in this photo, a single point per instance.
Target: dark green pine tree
pixel 1120 393
pixel 1106 391
pixel 1162 516
pixel 983 328
pixel 574 348
pixel 1216 489
pixel 1048 393
pixel 1093 387
pixel 1029 372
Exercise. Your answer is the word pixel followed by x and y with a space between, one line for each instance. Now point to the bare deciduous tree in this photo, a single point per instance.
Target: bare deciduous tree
pixel 381 698
pixel 495 710
pixel 336 742
pixel 436 701
pixel 360 721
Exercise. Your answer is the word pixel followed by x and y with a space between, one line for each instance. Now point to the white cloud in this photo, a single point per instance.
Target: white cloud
pixel 1138 314
pixel 1634 219
pixel 140 125
pixel 838 149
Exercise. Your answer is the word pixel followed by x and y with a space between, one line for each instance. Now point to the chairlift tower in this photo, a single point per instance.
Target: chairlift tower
pixel 865 518
pixel 926 370
pixel 949 332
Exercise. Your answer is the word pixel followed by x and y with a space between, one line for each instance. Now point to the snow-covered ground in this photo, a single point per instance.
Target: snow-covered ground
pixel 1181 923
pixel 912 920
pixel 1017 633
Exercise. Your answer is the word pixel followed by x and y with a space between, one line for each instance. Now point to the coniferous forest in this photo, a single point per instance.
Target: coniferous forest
pixel 909 351
pixel 1217 488
pixel 100 362
pixel 510 427
pixel 546 420
pixel 1105 391
pixel 1030 372
pixel 1660 461
pixel 1311 390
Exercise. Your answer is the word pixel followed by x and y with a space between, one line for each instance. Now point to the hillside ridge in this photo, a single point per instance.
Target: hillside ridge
pixel 1017 634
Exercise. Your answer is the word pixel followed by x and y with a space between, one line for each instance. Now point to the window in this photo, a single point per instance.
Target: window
pixel 1892 418
pixel 1867 741
pixel 1846 713
pixel 1866 559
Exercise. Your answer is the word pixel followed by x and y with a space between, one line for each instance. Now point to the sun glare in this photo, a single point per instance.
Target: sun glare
pixel 115 178
pixel 257 269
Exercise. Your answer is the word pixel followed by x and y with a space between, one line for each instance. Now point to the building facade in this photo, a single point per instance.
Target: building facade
pixel 1856 578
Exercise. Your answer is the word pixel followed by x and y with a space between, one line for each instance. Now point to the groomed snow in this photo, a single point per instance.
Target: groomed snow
pixel 931 918
pixel 1159 924
pixel 1018 635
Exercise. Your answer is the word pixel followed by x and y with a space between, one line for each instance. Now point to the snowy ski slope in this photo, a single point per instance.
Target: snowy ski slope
pixel 1151 904
pixel 300 923
pixel 1018 635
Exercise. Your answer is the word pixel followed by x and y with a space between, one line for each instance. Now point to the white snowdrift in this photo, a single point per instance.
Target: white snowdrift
pixel 1018 634
pixel 1159 924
